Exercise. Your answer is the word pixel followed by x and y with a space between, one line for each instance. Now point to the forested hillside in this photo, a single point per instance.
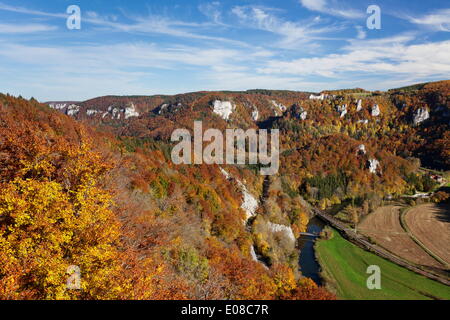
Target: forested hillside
pixel 92 184
pixel 137 226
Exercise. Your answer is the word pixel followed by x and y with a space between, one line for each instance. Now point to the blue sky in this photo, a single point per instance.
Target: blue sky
pixel 176 46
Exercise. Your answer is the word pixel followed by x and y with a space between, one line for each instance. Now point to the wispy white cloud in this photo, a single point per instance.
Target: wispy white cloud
pixel 362 34
pixel 315 5
pixel 150 24
pixel 212 11
pixel 373 57
pixel 324 6
pixel 92 70
pixel 108 58
pixel 86 71
pixel 155 24
pixel 439 20
pixel 211 57
pixel 17 9
pixel 25 28
pixel 294 34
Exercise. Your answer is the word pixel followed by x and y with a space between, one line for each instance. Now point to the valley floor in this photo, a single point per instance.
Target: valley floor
pixel 430 224
pixel 344 267
pixel 384 227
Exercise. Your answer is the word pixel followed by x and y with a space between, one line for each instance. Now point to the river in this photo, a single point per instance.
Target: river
pixel 307 261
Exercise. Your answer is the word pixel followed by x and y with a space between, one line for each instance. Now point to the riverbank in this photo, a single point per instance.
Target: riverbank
pixel 344 268
pixel 309 266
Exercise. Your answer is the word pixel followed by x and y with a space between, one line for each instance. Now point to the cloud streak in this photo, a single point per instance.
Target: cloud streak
pixel 323 6
pixel 438 21
pixel 373 57
pixel 293 34
pixel 237 48
pixel 25 28
pixel 17 9
pixel 151 24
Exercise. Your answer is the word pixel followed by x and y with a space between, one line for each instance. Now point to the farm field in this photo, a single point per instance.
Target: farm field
pixel 383 226
pixel 344 267
pixel 430 224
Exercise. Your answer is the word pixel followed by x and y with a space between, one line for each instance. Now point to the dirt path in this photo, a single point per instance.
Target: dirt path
pixel 430 224
pixel 384 227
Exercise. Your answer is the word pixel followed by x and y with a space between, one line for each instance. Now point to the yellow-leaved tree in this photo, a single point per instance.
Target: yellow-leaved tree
pixel 58 235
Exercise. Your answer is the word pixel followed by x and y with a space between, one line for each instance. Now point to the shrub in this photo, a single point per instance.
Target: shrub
pixel 327 233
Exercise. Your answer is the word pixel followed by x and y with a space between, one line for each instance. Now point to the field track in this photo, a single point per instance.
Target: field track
pixel 366 244
pixel 430 224
pixel 384 227
pixel 344 268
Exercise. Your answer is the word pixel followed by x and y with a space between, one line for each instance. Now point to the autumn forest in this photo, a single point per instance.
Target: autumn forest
pixel 92 185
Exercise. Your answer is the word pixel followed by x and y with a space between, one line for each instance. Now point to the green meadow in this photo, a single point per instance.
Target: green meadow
pixel 344 267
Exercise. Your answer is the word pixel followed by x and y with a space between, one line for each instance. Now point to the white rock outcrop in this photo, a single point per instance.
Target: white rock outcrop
pixel 278 105
pixel 130 111
pixel 421 115
pixel 319 97
pixel 359 106
pixel 278 108
pixel 300 113
pixel 362 149
pixel 225 174
pixel 57 106
pixel 373 165
pixel 121 112
pixel 249 203
pixel 342 110
pixel 375 111
pixel 303 115
pixel 253 253
pixel 255 114
pixel 91 112
pixel 255 257
pixel 287 231
pixel 73 110
pixel 168 108
pixel 223 108
pixel 115 112
pixel 162 108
